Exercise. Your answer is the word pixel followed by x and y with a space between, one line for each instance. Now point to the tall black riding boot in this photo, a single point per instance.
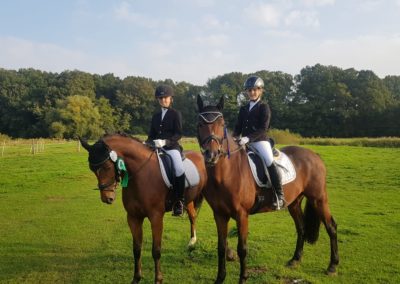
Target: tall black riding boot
pixel 277 184
pixel 179 193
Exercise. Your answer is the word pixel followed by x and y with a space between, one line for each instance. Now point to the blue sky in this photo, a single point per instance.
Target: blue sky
pixel 196 40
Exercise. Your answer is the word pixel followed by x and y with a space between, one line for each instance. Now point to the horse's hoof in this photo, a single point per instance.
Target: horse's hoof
pixel 136 279
pixel 331 271
pixel 230 254
pixel 192 242
pixel 293 263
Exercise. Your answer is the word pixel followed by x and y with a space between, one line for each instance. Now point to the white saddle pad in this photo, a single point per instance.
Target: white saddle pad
pixel 285 167
pixel 192 175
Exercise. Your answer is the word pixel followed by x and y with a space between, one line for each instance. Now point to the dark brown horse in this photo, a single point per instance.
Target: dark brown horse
pixel 232 192
pixel 146 195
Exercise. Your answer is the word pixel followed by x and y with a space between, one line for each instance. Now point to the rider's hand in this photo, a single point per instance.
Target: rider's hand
pixel 159 143
pixel 244 140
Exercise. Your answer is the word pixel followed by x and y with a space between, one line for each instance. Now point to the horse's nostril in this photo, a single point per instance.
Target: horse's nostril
pixel 110 200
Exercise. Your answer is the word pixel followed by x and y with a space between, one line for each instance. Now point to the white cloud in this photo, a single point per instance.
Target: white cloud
pixel 212 22
pixel 213 40
pixel 370 5
pixel 302 18
pixel 19 53
pixel 265 14
pixel 318 2
pixel 376 53
pixel 123 13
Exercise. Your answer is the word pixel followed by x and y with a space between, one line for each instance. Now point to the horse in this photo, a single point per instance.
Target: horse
pixel 232 192
pixel 144 193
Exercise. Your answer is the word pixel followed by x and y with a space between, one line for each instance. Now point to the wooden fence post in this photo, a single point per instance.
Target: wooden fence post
pixel 33 147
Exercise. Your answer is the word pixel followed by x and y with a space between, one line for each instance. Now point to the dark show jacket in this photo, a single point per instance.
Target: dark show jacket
pixel 170 128
pixel 254 123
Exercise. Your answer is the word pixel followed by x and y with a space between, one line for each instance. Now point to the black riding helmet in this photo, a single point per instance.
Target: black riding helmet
pixel 164 91
pixel 253 82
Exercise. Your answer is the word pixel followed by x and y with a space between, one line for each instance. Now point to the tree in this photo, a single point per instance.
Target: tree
pixel 79 116
pixel 135 99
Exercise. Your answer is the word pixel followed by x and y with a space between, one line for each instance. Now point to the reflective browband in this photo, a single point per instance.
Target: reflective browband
pixel 210 116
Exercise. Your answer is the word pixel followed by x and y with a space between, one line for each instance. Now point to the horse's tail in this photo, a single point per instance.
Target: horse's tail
pixel 311 223
pixel 198 201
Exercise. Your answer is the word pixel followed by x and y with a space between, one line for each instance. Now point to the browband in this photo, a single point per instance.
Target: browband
pixel 210 116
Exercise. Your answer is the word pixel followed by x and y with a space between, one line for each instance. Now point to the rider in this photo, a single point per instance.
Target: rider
pixel 252 124
pixel 165 132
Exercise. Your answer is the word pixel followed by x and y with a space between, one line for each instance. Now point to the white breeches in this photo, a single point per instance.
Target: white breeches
pixel 176 161
pixel 265 150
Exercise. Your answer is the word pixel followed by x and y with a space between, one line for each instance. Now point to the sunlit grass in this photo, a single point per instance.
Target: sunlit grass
pixel 54 228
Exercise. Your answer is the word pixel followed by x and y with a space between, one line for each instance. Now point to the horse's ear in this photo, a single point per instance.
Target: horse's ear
pixel 199 103
pixel 220 105
pixel 84 143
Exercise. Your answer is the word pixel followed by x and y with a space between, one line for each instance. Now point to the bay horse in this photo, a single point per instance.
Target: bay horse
pixel 145 195
pixel 232 192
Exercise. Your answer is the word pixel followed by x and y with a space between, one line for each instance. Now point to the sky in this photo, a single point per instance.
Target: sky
pixel 197 40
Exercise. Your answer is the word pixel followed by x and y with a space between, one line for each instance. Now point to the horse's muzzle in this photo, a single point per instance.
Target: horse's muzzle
pixel 211 158
pixel 108 200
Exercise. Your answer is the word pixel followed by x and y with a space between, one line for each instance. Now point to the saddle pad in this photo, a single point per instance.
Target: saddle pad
pixel 192 175
pixel 285 167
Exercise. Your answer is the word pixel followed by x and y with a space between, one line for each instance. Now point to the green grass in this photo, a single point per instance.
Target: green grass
pixel 55 229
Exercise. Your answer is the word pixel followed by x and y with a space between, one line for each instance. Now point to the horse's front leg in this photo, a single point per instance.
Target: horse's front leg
pixel 242 223
pixel 222 230
pixel 191 210
pixel 157 229
pixel 136 227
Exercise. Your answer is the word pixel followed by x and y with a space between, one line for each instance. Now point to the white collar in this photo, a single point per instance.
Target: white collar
pixel 163 112
pixel 253 103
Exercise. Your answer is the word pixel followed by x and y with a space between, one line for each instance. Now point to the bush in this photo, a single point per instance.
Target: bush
pixel 387 142
pixel 4 137
pixel 284 136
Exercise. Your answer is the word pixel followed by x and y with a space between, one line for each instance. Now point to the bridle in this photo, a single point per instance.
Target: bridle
pixel 117 177
pixel 118 173
pixel 210 117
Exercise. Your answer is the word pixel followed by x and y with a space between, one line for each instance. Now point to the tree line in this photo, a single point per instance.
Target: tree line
pixel 320 101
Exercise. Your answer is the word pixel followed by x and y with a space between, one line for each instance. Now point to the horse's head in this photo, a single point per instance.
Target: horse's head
pixel 211 130
pixel 102 162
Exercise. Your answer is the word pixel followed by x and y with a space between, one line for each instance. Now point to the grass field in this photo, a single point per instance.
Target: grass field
pixel 54 228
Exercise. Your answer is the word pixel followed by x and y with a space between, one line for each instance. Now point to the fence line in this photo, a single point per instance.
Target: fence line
pixel 32 146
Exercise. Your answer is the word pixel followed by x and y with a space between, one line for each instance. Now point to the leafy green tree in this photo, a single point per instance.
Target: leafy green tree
pixel 79 116
pixel 136 101
pixel 107 86
pixel 392 83
pixel 78 83
pixel 322 104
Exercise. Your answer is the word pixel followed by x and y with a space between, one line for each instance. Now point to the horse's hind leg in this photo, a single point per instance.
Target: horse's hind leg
pixel 136 227
pixel 331 228
pixel 191 210
pixel 297 215
pixel 243 228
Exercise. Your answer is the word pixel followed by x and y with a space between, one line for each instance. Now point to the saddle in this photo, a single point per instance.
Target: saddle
pixel 168 174
pixel 260 170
